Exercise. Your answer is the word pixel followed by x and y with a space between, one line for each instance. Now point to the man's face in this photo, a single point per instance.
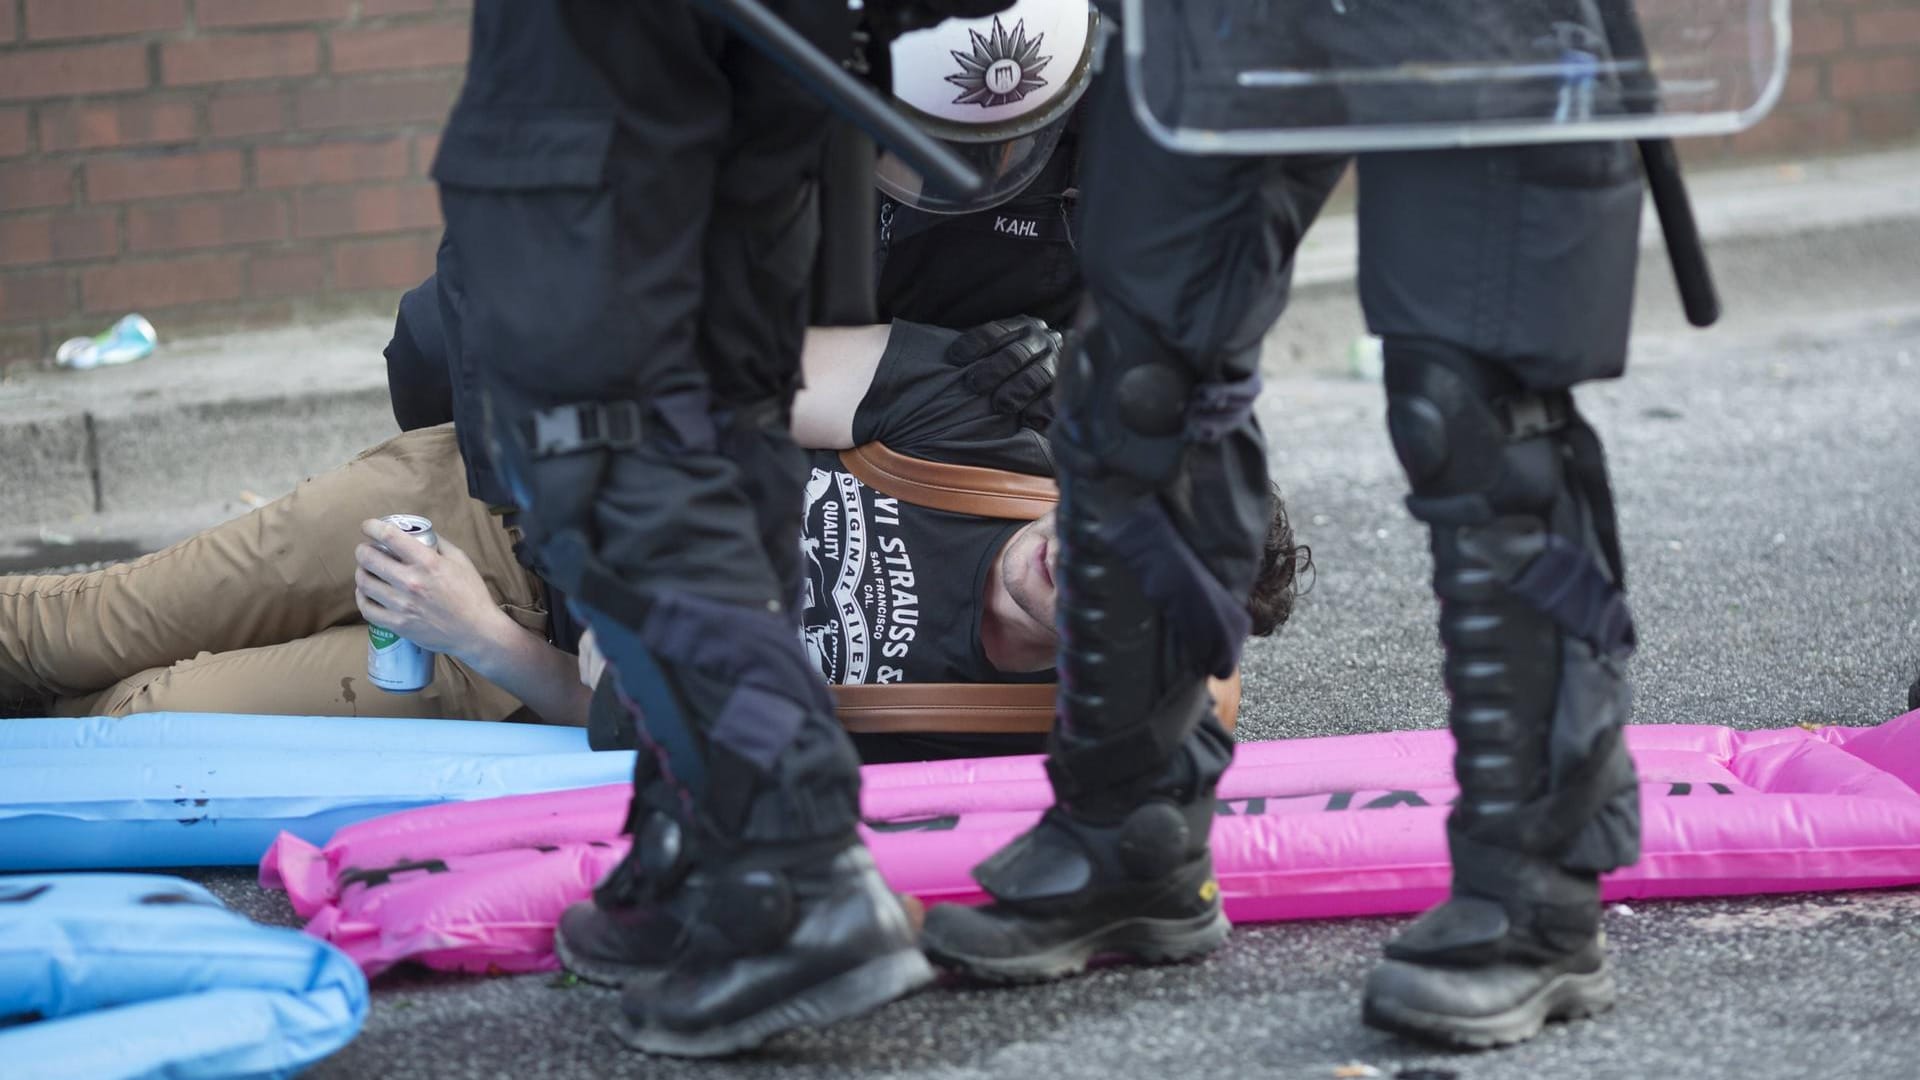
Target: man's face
pixel 1027 566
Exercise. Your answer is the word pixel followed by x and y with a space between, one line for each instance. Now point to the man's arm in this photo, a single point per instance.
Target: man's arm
pixel 838 364
pixel 436 599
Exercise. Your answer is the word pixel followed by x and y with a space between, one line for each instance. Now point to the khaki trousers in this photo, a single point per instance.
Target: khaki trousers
pixel 257 615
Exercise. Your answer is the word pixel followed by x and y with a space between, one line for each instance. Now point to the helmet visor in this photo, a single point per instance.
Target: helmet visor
pixel 1007 166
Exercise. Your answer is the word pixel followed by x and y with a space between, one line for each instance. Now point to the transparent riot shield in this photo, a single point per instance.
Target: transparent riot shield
pixel 1285 76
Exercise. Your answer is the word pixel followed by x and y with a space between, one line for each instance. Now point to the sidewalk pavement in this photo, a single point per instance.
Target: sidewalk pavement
pixel 213 425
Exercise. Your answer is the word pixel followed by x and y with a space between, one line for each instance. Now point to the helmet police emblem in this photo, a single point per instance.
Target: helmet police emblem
pixel 1002 68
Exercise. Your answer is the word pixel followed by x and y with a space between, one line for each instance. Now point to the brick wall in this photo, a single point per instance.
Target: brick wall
pixel 1854 83
pixel 216 161
pixel 207 161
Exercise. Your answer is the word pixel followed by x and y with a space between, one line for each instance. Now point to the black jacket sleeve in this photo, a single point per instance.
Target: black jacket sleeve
pixel 418 382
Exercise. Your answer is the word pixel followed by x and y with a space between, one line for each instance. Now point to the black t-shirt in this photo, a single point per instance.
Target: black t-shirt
pixel 893 589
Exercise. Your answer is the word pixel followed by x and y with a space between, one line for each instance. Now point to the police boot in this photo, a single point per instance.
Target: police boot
pixel 1533 619
pixel 747 905
pixel 1120 865
pixel 622 938
pixel 633 929
pixel 622 934
pixel 770 942
pixel 1083 885
pixel 716 957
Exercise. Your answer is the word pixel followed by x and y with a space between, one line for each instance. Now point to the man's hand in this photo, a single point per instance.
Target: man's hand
pixel 433 598
pixel 1011 362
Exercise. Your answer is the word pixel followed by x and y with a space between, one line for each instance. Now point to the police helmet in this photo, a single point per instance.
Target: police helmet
pixel 997 91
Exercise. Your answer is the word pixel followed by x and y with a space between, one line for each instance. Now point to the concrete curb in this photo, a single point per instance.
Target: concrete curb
pixel 211 420
pixel 199 422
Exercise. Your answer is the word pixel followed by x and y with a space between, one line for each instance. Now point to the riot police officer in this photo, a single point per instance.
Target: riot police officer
pixel 630 205
pixel 1498 279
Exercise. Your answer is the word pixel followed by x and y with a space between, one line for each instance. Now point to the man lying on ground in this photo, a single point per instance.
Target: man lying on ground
pixel 260 614
pixel 263 614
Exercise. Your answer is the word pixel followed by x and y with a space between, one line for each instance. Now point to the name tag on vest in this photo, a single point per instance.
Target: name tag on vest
pixel 1049 225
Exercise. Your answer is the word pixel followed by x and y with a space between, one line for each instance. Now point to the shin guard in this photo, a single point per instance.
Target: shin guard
pixel 1512 485
pixel 1163 507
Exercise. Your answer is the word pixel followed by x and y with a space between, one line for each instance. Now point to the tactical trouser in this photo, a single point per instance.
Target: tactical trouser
pixel 1164 506
pixel 629 193
pixel 1498 279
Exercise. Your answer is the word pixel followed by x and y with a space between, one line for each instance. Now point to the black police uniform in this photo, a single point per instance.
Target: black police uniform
pixel 1498 279
pixel 630 206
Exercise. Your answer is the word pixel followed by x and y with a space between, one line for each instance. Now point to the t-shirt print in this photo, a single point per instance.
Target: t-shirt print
pixel 861 582
pixel 893 589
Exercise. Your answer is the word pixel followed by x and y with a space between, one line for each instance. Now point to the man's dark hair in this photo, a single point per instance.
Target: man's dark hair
pixel 1282 563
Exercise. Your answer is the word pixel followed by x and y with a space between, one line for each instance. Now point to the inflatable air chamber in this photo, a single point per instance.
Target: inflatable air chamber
pixel 137 975
pixel 1308 828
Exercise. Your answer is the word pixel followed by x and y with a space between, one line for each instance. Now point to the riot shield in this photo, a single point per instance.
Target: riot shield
pixel 1286 76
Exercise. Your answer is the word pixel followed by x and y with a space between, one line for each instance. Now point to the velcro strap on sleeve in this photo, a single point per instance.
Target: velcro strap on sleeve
pixel 1208 622
pixel 1565 583
pixel 1529 416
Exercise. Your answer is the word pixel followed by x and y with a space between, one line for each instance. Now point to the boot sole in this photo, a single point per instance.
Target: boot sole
pixel 617 976
pixel 1569 996
pixel 1147 941
pixel 843 997
pixel 609 975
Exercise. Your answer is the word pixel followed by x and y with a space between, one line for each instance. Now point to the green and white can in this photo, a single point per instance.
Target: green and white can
pixel 395 664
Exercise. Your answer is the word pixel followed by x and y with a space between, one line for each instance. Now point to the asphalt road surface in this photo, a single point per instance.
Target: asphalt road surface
pixel 1769 498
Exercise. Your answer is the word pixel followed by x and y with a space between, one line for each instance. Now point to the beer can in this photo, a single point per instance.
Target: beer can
pixel 395 664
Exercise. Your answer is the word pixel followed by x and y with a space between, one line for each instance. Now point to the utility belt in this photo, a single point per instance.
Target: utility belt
pixel 965 708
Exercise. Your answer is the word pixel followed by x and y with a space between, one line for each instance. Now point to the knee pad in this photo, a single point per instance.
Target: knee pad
pixel 1479 446
pixel 1474 442
pixel 722 697
pixel 1130 404
pixel 1144 434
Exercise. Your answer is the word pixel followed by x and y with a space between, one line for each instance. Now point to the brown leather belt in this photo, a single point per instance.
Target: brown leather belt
pixel 970 708
pixel 961 489
pixel 976 708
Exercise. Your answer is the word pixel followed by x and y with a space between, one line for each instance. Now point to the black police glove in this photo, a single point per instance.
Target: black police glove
pixel 1012 363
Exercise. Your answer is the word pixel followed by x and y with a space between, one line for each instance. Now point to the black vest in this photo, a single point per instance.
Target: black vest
pixel 961 270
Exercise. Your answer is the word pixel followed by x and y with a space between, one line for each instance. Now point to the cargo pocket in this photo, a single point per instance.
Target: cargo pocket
pixel 522 150
pixel 531 224
pixel 1576 247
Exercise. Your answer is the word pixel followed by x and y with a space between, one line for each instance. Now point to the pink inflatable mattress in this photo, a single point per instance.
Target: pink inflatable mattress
pixel 1307 828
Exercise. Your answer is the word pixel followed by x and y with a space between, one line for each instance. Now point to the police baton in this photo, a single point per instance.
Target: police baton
pixel 846 95
pixel 844 292
pixel 1688 256
pixel 1685 252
